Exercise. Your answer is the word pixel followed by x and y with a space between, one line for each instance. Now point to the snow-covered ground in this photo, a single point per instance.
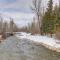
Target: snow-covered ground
pixel 51 43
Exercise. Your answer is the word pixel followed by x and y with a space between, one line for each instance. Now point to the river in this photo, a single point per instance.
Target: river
pixel 16 49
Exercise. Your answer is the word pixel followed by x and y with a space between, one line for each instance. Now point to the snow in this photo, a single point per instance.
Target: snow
pixel 10 44
pixel 40 39
pixel 22 34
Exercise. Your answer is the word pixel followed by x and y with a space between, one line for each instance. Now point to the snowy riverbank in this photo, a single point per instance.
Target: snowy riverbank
pixel 48 42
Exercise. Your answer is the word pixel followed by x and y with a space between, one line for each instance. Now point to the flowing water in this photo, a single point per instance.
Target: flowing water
pixel 17 49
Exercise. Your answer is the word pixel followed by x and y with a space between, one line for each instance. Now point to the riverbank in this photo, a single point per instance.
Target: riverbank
pixel 50 43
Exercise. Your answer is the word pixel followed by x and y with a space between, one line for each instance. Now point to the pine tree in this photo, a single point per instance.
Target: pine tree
pixel 48 19
pixel 55 12
pixel 57 16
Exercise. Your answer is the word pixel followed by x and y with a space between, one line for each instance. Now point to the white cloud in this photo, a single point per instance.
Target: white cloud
pixel 21 19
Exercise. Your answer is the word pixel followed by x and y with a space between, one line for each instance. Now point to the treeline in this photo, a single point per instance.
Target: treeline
pixel 48 21
pixel 33 27
pixel 51 19
pixel 7 27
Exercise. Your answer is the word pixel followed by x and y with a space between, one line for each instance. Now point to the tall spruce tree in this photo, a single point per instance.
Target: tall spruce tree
pixel 48 19
pixel 57 16
pixel 58 21
pixel 55 12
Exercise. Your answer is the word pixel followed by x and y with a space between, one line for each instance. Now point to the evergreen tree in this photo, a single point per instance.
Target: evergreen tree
pixel 57 16
pixel 48 19
pixel 55 12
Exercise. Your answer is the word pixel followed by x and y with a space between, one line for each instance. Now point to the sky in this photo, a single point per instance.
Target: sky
pixel 15 5
pixel 19 10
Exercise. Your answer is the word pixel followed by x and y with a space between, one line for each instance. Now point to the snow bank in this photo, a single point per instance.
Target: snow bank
pixel 44 40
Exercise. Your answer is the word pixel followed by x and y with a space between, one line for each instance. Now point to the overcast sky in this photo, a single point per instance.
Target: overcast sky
pixel 17 5
pixel 18 9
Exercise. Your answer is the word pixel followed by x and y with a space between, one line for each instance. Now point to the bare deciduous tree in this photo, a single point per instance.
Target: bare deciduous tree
pixel 4 29
pixel 11 25
pixel 37 10
pixel 1 23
